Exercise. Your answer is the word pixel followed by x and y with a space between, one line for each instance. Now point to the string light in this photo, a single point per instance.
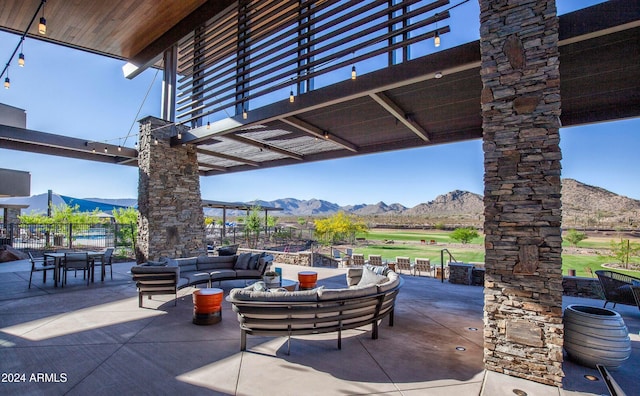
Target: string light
pixel 291 97
pixel 21 55
pixel 179 135
pixel 436 39
pixel 106 150
pixel 7 81
pixel 208 125
pixel 42 26
pixel 353 72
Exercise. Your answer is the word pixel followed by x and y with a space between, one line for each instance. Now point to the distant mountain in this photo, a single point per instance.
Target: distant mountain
pixel 582 204
pixel 453 203
pixel 376 209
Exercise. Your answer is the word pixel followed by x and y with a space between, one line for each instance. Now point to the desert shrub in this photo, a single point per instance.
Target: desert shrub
pixel 575 237
pixel 464 235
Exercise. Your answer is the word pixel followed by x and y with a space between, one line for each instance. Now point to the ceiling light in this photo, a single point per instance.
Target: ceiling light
pixel 353 72
pixel 438 75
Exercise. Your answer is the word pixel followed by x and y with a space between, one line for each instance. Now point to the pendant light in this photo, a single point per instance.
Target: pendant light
pixel 436 39
pixel 42 26
pixel 7 81
pixel 353 72
pixel 291 97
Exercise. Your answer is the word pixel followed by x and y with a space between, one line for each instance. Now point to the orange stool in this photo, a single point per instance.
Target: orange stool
pixel 307 279
pixel 207 307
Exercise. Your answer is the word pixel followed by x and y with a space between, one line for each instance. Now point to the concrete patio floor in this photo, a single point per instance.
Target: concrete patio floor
pixel 94 339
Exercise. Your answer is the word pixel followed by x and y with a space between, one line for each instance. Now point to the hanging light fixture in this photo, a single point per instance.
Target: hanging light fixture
pixel 245 114
pixel 42 26
pixel 7 81
pixel 21 55
pixel 155 141
pixel 353 72
pixel 208 125
pixel 436 39
pixel 291 97
pixel 179 135
pixel 93 150
pixel 106 150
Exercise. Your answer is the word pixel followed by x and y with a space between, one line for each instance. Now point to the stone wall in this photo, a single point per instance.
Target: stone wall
pixel 577 286
pixel 460 273
pixel 171 219
pixel 523 333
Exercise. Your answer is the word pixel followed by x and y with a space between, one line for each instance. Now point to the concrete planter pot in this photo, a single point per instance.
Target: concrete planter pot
pixel 595 336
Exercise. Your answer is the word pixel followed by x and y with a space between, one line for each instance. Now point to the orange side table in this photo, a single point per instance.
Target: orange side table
pixel 207 308
pixel 307 279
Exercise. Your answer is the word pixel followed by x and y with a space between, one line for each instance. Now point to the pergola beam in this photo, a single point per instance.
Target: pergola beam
pixel 395 110
pixel 265 146
pixel 227 157
pixel 319 133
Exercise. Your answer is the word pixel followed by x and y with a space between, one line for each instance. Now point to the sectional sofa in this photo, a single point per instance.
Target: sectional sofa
pixel 170 275
pixel 369 296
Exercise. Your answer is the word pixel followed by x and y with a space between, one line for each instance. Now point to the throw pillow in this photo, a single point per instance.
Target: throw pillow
pixel 378 269
pixel 253 261
pixel 242 263
pixel 259 286
pixel 370 278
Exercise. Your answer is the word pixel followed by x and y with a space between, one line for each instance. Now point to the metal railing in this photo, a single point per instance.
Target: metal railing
pixel 68 236
pixel 451 259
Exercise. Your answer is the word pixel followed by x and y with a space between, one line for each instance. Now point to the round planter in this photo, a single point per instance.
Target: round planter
pixel 595 336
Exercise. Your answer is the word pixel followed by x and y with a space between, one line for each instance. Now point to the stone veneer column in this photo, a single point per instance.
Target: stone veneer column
pixel 523 331
pixel 171 219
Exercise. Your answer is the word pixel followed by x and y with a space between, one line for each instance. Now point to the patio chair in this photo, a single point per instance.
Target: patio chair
pixel 39 265
pixel 75 262
pixel 337 256
pixel 619 288
pixel 375 259
pixel 357 259
pixel 403 263
pixel 422 265
pixel 105 261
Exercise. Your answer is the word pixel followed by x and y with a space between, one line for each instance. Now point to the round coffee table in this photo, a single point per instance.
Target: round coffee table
pixel 206 306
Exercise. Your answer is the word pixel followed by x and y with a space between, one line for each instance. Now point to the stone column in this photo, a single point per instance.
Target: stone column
pixel 523 331
pixel 171 219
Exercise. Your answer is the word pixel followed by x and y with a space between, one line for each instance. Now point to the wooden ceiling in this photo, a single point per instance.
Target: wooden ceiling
pixel 121 29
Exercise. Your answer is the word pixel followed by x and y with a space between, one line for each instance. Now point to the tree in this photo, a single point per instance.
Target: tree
pixel 464 235
pixel 252 227
pixel 575 237
pixel 339 227
pixel 621 251
pixel 126 236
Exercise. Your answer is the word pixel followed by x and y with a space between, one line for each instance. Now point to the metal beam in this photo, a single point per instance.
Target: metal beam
pixel 227 156
pixel 47 143
pixel 395 110
pixel 265 146
pixel 319 133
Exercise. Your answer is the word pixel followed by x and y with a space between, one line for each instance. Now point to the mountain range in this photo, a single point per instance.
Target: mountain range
pixel 580 203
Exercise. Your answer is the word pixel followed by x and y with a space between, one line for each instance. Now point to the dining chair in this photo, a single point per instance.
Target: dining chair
pixel 39 265
pixel 75 262
pixel 103 261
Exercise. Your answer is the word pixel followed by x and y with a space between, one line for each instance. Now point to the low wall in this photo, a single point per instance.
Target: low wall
pixel 577 286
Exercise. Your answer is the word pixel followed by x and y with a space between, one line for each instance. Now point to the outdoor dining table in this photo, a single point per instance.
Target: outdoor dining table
pixel 59 256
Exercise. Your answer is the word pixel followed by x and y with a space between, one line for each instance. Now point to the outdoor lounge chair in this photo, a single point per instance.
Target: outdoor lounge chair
pixel 422 265
pixel 403 263
pixel 357 259
pixel 341 259
pixel 619 288
pixel 375 259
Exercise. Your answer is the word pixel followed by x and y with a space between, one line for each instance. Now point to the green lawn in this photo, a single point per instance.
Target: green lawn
pixel 404 244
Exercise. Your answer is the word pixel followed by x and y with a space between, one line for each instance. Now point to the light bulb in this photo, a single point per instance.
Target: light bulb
pixel 291 97
pixel 179 135
pixel 21 60
pixel 42 26
pixel 436 40
pixel 244 114
pixel 7 83
pixel 353 72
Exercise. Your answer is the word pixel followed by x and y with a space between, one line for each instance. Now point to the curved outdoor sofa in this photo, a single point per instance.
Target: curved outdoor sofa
pixel 170 275
pixel 367 300
pixel 619 288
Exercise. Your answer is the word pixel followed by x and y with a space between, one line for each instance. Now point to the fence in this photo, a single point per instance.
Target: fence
pixel 68 236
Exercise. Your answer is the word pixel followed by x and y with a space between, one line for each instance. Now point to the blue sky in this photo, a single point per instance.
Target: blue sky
pixel 69 92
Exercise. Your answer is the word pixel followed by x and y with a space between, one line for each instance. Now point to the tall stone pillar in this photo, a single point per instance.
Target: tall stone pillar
pixel 523 329
pixel 171 219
